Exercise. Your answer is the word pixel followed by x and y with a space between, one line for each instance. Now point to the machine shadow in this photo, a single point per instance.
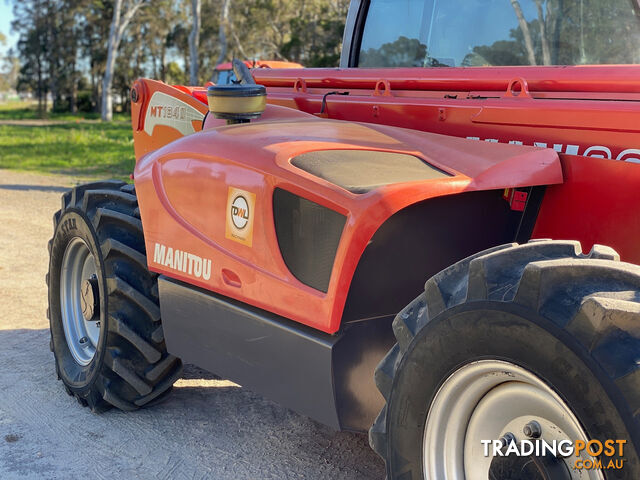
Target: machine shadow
pixel 205 417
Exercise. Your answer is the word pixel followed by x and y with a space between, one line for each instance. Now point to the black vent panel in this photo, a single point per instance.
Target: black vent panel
pixel 308 237
pixel 360 171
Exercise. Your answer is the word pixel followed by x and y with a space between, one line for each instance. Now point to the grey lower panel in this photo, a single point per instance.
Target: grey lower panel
pixel 326 377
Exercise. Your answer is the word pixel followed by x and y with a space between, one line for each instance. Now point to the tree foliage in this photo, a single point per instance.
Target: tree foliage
pixel 404 52
pixel 522 32
pixel 63 44
pixel 568 32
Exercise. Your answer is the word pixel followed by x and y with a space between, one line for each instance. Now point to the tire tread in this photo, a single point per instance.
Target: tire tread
pixel 127 380
pixel 594 297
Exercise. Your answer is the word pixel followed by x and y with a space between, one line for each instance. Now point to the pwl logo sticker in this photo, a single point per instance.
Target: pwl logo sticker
pixel 240 212
pixel 240 215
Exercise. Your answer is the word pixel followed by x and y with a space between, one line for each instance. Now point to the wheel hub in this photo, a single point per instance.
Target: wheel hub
pixel 530 467
pixel 89 296
pixel 492 400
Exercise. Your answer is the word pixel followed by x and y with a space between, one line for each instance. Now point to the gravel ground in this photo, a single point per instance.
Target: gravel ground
pixel 207 428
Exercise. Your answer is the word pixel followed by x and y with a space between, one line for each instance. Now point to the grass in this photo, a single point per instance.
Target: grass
pixel 28 110
pixel 72 145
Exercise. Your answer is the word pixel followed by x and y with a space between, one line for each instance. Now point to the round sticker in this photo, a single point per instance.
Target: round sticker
pixel 240 212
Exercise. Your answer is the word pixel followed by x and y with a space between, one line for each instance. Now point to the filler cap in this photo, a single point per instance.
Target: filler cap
pixel 237 103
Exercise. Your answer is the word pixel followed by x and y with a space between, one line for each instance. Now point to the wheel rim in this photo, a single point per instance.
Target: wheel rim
pixel 78 265
pixel 484 400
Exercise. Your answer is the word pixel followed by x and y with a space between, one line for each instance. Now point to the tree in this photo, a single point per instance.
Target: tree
pixel 544 39
pixel 10 72
pixel 80 52
pixel 222 37
pixel 524 26
pixel 94 21
pixel 153 34
pixel 119 24
pixel 179 39
pixel 308 31
pixel 566 32
pixel 194 41
pixel 33 48
pixel 404 52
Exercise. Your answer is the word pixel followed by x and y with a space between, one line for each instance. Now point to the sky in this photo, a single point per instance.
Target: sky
pixel 6 16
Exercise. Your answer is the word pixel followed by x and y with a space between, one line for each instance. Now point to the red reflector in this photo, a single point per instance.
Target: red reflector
pixel 517 199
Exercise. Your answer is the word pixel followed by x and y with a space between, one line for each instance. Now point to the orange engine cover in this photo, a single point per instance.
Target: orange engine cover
pixel 207 201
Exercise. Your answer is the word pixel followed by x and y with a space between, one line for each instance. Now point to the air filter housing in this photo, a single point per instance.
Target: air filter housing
pixel 237 103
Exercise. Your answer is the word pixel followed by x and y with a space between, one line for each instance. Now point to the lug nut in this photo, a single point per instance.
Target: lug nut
pixel 507 439
pixel 532 429
pixel 83 340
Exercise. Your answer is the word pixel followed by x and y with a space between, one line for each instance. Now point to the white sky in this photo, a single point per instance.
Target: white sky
pixel 6 16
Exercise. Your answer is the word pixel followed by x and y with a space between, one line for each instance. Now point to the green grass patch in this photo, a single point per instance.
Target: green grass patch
pixel 65 143
pixel 76 148
pixel 28 110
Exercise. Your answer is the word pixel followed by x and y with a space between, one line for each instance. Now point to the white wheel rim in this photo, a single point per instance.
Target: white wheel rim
pixel 484 400
pixel 78 264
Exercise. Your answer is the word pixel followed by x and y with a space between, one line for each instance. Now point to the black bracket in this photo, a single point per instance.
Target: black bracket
pixel 324 99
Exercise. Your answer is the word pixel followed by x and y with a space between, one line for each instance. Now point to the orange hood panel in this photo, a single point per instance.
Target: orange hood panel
pixel 185 190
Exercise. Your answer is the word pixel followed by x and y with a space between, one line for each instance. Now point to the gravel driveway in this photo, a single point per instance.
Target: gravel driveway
pixel 207 428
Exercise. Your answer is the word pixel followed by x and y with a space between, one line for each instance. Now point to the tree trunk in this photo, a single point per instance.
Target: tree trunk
pixel 238 43
pixel 53 84
pixel 224 20
pixel 194 42
pixel 118 26
pixel 525 32
pixel 112 51
pixel 126 97
pixel 137 57
pixel 73 101
pixel 42 104
pixel 95 92
pixel 546 53
pixel 554 20
pixel 163 61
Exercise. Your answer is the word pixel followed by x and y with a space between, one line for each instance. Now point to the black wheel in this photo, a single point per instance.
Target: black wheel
pixel 103 312
pixel 536 342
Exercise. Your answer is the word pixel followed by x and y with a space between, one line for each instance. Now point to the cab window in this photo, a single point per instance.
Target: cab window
pixel 453 33
pixel 225 77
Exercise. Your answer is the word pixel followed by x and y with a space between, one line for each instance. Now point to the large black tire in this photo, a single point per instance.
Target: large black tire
pixel 571 319
pixel 131 367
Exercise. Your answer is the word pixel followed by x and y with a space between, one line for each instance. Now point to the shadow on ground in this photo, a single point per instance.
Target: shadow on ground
pixel 38 188
pixel 207 428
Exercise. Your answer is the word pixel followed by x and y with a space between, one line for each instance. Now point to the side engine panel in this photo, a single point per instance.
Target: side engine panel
pixel 253 285
pixel 209 211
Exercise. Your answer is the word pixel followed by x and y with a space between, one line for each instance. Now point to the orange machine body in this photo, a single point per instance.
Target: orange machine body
pixel 185 175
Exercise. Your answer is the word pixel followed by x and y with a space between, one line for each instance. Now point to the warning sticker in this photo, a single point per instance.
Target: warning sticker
pixel 166 110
